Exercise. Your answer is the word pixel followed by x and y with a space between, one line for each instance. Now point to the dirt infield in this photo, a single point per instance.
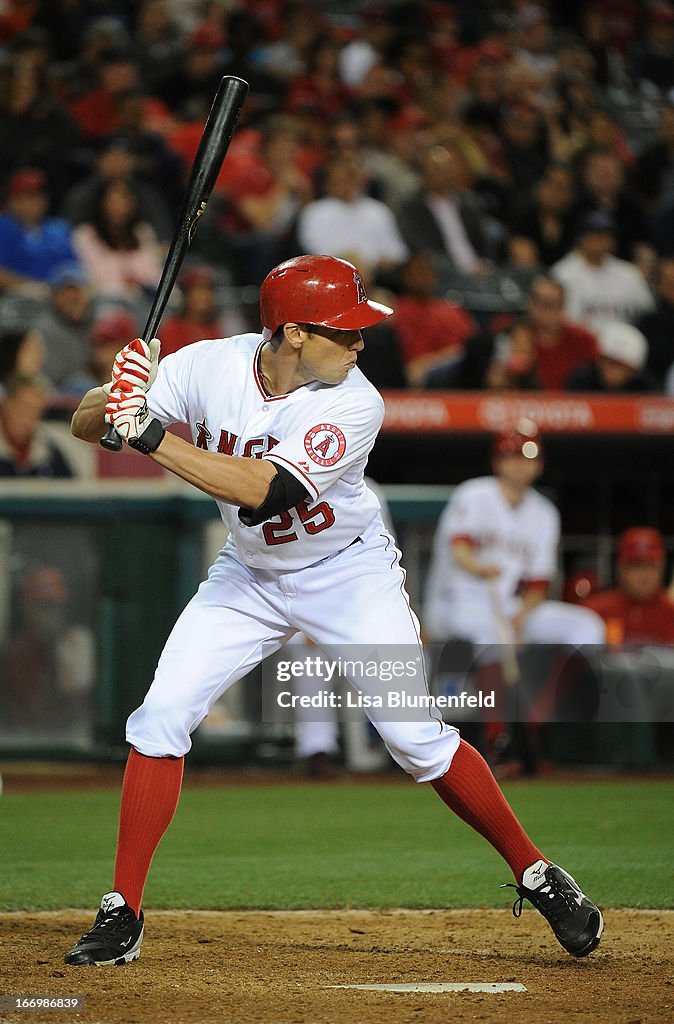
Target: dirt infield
pixel 279 968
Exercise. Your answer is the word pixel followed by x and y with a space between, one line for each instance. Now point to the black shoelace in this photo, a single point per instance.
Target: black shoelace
pixel 554 899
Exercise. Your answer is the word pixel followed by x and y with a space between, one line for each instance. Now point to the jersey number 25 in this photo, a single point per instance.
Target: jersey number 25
pixel 279 530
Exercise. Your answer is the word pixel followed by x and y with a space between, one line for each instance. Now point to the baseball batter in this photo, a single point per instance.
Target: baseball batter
pixel 282 424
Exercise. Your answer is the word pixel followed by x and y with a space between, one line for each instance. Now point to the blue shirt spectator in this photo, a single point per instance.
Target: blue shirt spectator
pixel 31 243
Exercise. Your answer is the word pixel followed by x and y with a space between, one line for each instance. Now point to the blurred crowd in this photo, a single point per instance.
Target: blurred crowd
pixel 501 173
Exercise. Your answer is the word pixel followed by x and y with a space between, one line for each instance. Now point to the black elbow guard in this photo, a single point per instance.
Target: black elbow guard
pixel 285 491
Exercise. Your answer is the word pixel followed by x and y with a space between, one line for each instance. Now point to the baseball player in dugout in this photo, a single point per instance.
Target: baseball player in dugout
pixel 639 610
pixel 494 557
pixel 282 424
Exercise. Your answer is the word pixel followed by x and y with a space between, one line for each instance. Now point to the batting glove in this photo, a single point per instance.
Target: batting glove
pixel 128 413
pixel 137 363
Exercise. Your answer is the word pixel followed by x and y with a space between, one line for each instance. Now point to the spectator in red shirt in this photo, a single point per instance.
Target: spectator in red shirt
pixel 322 88
pixel 639 610
pixel 265 188
pixel 560 345
pixel 198 318
pixel 97 111
pixel 543 348
pixel 431 331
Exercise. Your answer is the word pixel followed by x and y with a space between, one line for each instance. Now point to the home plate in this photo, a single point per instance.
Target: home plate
pixel 444 986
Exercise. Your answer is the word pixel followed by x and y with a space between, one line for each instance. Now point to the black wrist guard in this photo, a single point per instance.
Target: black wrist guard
pixel 150 439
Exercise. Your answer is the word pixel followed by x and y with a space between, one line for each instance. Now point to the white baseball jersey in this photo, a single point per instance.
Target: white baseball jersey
pixel 522 541
pixel 321 433
pixel 598 295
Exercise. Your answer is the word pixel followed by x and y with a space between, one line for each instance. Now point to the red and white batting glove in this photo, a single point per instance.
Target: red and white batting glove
pixel 128 413
pixel 136 363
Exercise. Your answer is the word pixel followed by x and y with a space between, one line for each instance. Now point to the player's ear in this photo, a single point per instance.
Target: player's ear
pixel 294 334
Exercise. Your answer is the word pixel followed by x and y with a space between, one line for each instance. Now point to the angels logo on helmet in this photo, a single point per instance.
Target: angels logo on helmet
pixel 360 287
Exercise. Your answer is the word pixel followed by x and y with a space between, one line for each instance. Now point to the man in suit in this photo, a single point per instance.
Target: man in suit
pixel 444 218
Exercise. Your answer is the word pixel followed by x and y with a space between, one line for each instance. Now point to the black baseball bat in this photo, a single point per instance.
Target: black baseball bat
pixel 213 146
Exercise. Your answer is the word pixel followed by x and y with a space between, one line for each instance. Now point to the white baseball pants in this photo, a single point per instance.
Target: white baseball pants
pixel 240 615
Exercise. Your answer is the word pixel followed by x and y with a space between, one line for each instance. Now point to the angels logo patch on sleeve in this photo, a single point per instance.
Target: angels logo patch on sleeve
pixel 325 444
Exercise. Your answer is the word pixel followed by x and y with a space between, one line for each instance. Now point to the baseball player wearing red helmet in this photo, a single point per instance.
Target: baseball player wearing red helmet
pixel 639 610
pixel 495 554
pixel 282 424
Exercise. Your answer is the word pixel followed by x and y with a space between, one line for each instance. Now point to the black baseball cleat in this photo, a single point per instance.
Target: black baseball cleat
pixel 114 939
pixel 574 919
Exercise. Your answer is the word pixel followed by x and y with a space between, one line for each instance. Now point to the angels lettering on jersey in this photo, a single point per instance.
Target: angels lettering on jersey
pixel 253 448
pixel 324 443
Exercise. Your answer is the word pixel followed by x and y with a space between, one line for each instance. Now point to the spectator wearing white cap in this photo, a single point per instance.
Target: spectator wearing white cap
pixel 620 365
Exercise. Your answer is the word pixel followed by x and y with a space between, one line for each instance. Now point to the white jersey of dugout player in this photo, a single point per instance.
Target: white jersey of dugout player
pixel 321 434
pixel 522 542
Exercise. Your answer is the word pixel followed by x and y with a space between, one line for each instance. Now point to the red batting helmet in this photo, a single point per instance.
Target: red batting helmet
pixel 321 290
pixel 522 439
pixel 641 544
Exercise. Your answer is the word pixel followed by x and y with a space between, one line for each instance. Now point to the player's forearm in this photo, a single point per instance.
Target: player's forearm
pixel 467 558
pixel 88 422
pixel 229 478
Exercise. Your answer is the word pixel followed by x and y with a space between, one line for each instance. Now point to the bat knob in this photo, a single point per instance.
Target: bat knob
pixel 111 441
